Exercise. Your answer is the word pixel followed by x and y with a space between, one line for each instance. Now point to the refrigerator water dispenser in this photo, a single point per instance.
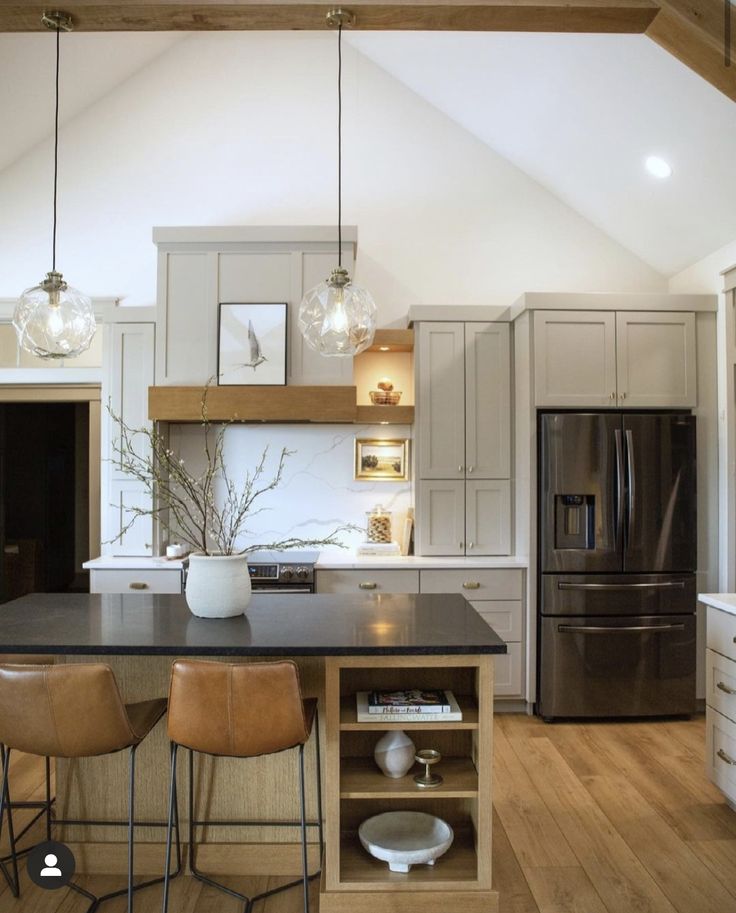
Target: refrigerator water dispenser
pixel 574 521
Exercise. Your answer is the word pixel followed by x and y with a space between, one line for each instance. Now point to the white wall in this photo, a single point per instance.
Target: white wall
pixel 240 129
pixel 318 492
pixel 705 275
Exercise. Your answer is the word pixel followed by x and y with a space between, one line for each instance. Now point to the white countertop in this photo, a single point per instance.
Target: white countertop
pixel 134 563
pixel 348 561
pixel 351 561
pixel 726 602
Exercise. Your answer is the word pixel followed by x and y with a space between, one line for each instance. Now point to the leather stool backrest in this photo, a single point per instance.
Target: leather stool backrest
pixel 239 710
pixel 63 711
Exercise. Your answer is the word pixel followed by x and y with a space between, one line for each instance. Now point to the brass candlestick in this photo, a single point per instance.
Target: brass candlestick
pixel 428 757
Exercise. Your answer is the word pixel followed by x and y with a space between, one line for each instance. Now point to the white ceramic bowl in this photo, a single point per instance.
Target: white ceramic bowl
pixel 404 839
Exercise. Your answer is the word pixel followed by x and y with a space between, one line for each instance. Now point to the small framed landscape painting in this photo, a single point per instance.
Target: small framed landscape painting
pixel 251 344
pixel 387 461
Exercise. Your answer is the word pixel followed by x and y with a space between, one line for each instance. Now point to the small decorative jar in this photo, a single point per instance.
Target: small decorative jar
pixel 394 753
pixel 379 524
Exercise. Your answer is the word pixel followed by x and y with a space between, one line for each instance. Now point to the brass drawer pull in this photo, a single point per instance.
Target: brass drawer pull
pixel 724 757
pixel 367 586
pixel 471 585
pixel 723 687
pixel 137 585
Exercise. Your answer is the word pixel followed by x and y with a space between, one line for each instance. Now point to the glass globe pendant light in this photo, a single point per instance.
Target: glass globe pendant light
pixel 52 319
pixel 338 318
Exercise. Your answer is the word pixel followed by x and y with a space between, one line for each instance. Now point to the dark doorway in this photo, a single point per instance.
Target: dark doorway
pixel 44 503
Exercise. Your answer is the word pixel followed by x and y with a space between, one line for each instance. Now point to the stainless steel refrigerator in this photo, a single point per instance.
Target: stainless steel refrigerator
pixel 617 559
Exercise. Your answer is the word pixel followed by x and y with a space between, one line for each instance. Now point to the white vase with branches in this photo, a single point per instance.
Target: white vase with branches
pixel 209 507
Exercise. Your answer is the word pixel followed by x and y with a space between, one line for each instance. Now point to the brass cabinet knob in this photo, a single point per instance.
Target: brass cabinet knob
pixel 460 468
pixel 471 585
pixel 722 686
pixel 137 585
pixel 471 468
pixel 367 585
pixel 724 757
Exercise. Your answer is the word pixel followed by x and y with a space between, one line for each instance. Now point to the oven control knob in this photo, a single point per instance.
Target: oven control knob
pixel 302 573
pixel 287 573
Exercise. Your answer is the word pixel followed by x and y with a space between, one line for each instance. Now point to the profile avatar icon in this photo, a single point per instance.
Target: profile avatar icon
pixel 51 869
pixel 51 865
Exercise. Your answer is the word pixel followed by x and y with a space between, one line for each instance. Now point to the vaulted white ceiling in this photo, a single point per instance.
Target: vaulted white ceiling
pixel 91 66
pixel 578 113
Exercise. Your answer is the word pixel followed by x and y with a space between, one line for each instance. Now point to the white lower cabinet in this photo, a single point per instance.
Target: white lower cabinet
pixel 135 581
pixel 720 700
pixel 366 581
pixel 497 594
pixel 488 517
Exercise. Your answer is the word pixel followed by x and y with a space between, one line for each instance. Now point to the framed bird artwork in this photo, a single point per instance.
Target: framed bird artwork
pixel 251 344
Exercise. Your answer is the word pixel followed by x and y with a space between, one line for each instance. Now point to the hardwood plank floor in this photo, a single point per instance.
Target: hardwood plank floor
pixel 588 818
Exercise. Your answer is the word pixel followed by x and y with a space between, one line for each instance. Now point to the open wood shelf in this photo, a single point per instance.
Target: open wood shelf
pixel 392 341
pixel 253 404
pixel 349 717
pixel 381 415
pixel 360 778
pixel 459 867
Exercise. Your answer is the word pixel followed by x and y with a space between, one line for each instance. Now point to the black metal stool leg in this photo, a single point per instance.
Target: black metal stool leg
pixel 303 810
pixel 131 826
pixel 319 789
pixel 170 825
pixel 7 809
pixel 48 798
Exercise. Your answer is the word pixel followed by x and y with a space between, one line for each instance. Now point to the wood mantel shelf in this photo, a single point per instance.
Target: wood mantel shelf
pixel 325 405
pixel 253 404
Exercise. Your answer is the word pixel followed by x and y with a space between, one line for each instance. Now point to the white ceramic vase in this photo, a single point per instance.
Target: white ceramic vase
pixel 218 586
pixel 394 753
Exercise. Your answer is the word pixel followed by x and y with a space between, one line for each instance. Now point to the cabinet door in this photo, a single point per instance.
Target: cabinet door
pixel 441 518
pixel 575 358
pixel 488 517
pixel 656 360
pixel 131 372
pixel 487 400
pixel 441 402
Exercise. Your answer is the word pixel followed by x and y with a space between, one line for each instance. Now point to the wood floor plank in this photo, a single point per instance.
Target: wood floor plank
pixel 515 895
pixel 684 809
pixel 619 877
pixel 564 890
pixel 531 830
pixel 588 818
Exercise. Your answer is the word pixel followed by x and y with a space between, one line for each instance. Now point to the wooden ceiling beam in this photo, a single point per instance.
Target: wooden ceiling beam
pixel 695 34
pixel 614 16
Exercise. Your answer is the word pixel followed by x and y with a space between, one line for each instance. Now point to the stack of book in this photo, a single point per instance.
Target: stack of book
pixel 408 706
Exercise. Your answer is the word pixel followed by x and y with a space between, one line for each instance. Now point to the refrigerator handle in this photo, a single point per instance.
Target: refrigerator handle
pixel 631 472
pixel 619 484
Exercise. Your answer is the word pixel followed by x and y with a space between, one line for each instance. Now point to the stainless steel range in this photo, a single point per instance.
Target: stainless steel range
pixel 282 572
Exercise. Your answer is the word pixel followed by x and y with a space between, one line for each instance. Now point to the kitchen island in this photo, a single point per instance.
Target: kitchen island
pixel 342 644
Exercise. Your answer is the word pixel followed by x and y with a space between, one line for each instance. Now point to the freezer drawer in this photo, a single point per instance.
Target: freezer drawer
pixel 618 594
pixel 612 666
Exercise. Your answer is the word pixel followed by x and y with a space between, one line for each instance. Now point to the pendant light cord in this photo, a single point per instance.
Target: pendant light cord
pixel 56 146
pixel 339 144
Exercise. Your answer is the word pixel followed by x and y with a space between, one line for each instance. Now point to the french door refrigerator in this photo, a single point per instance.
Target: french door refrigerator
pixel 617 560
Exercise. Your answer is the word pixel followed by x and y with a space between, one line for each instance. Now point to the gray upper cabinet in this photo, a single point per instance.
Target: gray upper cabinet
pixel 200 268
pixel 487 401
pixel 614 359
pixel 440 409
pixel 655 359
pixel 464 401
pixel 463 434
pixel 575 358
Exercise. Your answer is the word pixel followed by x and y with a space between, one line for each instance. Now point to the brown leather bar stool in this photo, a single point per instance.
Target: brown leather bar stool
pixel 41 808
pixel 240 710
pixel 73 711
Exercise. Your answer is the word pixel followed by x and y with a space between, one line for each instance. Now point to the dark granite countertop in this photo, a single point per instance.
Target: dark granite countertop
pixel 275 625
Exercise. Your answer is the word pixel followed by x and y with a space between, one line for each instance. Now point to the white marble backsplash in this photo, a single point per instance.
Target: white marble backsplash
pixel 318 492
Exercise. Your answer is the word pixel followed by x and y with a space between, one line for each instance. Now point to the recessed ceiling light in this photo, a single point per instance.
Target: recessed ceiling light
pixel 384 349
pixel 657 167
